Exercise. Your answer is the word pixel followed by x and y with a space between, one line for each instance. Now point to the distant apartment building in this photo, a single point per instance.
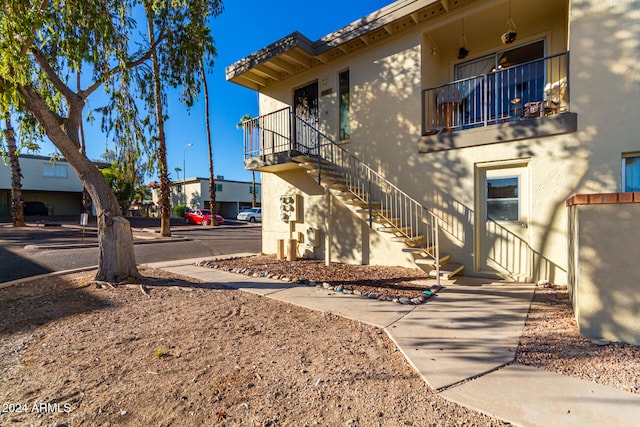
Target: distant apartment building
pixel 231 196
pixel 55 184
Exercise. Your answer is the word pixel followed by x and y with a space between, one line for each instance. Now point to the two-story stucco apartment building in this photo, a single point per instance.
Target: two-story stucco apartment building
pixel 231 196
pixel 56 184
pixel 474 137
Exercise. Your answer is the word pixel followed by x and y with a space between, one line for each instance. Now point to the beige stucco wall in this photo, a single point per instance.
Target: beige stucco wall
pixel 605 88
pixel 351 239
pixel 386 84
pixel 606 288
pixel 62 195
pixel 33 178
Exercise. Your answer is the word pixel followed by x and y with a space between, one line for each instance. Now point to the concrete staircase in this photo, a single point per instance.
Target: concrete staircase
pixel 366 205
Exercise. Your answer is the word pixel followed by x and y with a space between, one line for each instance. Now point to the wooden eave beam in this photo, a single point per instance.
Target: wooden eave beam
pixel 266 71
pixel 242 81
pixel 282 65
pixel 298 58
pixel 252 77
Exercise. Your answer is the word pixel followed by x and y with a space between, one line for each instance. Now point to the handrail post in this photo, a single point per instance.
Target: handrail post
pixel 293 138
pixel 319 166
pixel 370 199
pixel 436 239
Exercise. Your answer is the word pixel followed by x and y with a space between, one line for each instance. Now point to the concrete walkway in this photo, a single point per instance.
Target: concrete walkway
pixel 463 344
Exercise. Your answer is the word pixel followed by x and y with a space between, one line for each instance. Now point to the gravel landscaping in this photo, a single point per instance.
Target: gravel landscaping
pixel 176 351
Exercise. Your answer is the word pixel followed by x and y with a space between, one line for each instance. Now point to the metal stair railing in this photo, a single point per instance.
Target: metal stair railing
pixel 417 226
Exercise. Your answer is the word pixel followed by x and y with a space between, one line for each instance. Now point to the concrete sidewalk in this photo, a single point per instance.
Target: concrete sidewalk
pixel 463 344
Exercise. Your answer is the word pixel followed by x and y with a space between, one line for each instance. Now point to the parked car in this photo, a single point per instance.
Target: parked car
pixel 35 208
pixel 251 215
pixel 201 216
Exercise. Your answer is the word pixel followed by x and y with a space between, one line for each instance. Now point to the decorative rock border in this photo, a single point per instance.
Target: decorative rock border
pixel 248 271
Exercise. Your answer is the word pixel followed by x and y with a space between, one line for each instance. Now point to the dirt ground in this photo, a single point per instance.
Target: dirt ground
pixel 184 353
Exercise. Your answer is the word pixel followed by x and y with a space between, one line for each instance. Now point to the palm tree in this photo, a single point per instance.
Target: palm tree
pixel 212 182
pixel 17 213
pixel 165 188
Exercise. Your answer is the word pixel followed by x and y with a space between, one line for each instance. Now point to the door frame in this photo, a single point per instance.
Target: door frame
pixel 521 168
pixel 317 98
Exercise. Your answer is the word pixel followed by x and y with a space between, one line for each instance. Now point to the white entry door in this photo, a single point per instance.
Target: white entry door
pixel 502 222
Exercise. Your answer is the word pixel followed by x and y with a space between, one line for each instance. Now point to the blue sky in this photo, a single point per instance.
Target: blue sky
pixel 243 28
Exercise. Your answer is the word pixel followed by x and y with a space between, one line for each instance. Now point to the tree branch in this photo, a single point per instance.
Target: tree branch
pixel 29 41
pixel 43 62
pixel 132 64
pixel 33 102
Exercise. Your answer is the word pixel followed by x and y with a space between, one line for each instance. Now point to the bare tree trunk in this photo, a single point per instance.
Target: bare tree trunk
pixel 212 183
pixel 165 185
pixel 17 212
pixel 117 259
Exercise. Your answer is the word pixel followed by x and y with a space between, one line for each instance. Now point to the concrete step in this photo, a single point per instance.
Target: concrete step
pixel 350 193
pixel 447 271
pixel 331 180
pixel 394 221
pixel 425 252
pixel 376 213
pixel 362 203
pixel 409 241
pixel 432 262
pixel 337 186
pixel 394 229
pixel 314 166
pixel 324 173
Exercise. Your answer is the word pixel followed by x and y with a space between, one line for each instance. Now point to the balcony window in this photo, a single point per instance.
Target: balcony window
pixel 343 106
pixel 509 86
pixel 631 173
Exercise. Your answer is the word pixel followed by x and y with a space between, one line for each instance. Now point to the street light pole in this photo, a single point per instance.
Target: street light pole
pixel 184 171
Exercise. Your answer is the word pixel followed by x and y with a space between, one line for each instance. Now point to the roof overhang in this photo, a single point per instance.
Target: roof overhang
pixel 295 53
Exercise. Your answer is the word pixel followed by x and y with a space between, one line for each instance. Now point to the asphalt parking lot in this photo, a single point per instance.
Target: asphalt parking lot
pixel 51 244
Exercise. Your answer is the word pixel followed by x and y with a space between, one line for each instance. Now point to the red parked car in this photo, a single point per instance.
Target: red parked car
pixel 201 216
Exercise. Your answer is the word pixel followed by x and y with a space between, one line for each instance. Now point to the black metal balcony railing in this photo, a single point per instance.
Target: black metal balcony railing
pixel 271 134
pixel 533 89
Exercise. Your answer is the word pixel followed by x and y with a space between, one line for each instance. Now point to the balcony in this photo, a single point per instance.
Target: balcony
pixel 274 140
pixel 523 101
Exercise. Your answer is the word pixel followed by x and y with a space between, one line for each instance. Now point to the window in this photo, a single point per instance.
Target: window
pixel 218 187
pixel 503 203
pixel 251 189
pixel 631 172
pixel 55 170
pixel 344 120
pixel 507 91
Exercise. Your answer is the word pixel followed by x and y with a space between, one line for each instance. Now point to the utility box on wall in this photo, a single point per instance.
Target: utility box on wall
pixel 313 238
pixel 290 208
